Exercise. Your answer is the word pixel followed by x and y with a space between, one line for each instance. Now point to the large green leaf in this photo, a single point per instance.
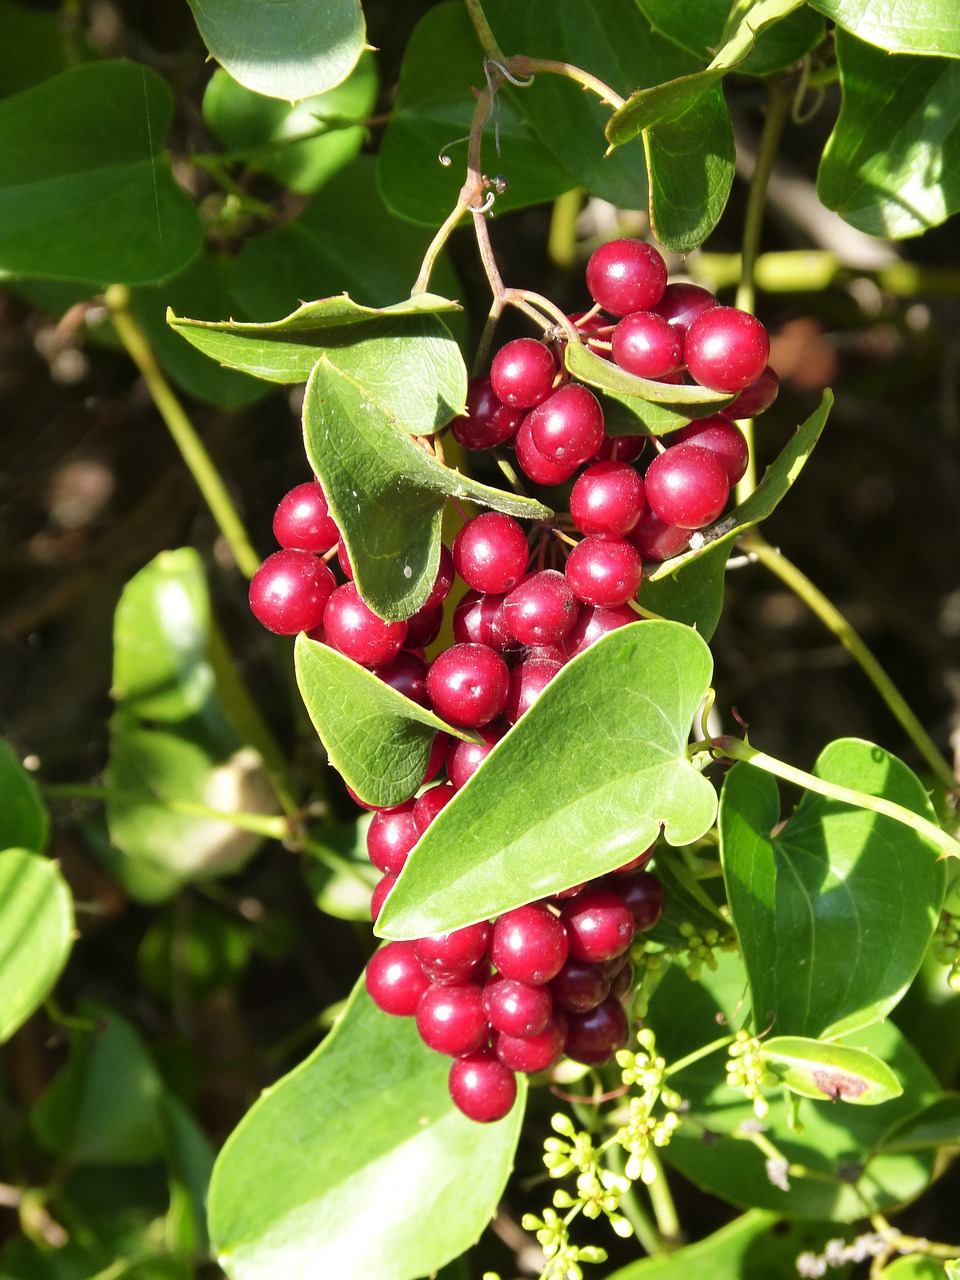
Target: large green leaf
pixel 582 783
pixel 835 910
pixel 265 131
pixel 836 1171
pixel 357 1165
pixel 378 740
pixel 928 26
pixel 23 817
pixel 442 65
pixel 700 27
pixel 838 1072
pixel 86 192
pixel 288 49
pixel 36 933
pixel 892 164
pixel 384 490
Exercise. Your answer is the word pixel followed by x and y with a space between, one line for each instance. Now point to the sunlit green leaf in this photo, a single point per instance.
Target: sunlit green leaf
pixel 23 818
pixel 840 1073
pixel 928 26
pixel 36 933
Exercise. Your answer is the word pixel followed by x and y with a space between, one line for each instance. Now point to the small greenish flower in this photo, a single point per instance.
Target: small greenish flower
pixel 747 1071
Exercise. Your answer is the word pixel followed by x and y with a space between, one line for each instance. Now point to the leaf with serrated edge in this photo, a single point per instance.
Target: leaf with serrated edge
pixel 337 1168
pixel 836 910
pixel 837 1072
pixel 581 784
pixel 378 740
pixel 385 491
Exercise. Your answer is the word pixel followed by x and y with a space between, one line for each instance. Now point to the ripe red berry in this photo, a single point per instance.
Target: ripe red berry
pixel 642 892
pixel 488 421
pixel 482 1087
pixel 528 679
pixel 579 987
pixel 464 758
pixel 395 980
pixel 516 1008
pixel 593 1038
pixel 656 540
pixel 289 592
pixel 383 887
pixel 390 837
pixel 490 552
pixel 427 806
pixel 451 1020
pixel 723 438
pixel 535 465
pixel 522 373
pixel 682 303
pixel 604 571
pixel 423 627
pixel 302 521
pixel 536 1052
pixel 644 344
pixel 593 623
pixel 726 349
pixel 446 957
pixel 407 674
pixel 607 499
pixel 599 925
pixel 541 610
pixel 567 428
pixel 687 486
pixel 529 944
pixel 755 398
pixel 467 685
pixel 443 581
pixel 355 630
pixel 478 619
pixel 625 276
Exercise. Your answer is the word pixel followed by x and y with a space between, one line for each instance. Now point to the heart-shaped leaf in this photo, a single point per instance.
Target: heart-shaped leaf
pixel 582 783
pixel 836 909
pixel 384 490
pixel 378 740
pixel 380 1151
pixel 36 933
pixel 837 1072
pixel 23 818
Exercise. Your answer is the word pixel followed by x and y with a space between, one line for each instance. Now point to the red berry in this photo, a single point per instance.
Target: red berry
pixel 390 837
pixel 595 622
pixel 656 540
pixel 533 1053
pixel 443 581
pixel 579 987
pixel 599 925
pixel 427 806
pixel 303 522
pixel 407 674
pixel 726 349
pixel 755 398
pixel 687 486
pixel 642 893
pixel 567 429
pixel 490 552
pixel 607 499
pixel 644 344
pixel 516 1008
pixel 528 679
pixel 535 465
pixel 593 1038
pixel 289 592
pixel 482 1087
pixel 449 956
pixel 383 887
pixel 451 1020
pixel 488 421
pixel 355 630
pixel 478 619
pixel 604 571
pixel 541 610
pixel 522 373
pixel 423 627
pixel 625 276
pixel 723 438
pixel 529 944
pixel 464 758
pixel 682 303
pixel 395 980
pixel 467 685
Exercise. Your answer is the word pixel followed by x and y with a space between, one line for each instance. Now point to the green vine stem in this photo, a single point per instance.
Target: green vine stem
pixel 664 1208
pixel 736 749
pixel 192 450
pixel 758 547
pixel 813 270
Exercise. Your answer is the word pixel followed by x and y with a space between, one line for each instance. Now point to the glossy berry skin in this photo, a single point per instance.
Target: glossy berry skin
pixel 451 1020
pixel 446 957
pixel 355 630
pixel 593 1038
pixel 726 349
pixel 620 449
pixel 536 1052
pixel 642 893
pixel 482 1087
pixel 390 837
pixel 687 486
pixel 593 623
pixel 490 552
pixel 467 685
pixel 535 465
pixel 478 619
pixel 289 592
pixel 755 398
pixel 541 610
pixel 682 303
pixel 407 674
pixel 529 944
pixel 382 888
pixel 604 571
pixel 423 627
pixel 567 428
pixel 443 581
pixel 599 925
pixel 723 438
pixel 395 980
pixel 645 345
pixel 464 758
pixel 427 806
pixel 516 1008
pixel 522 373
pixel 640 861
pixel 579 987
pixel 625 276
pixel 302 521
pixel 621 982
pixel 488 421
pixel 528 679
pixel 607 499
pixel 656 540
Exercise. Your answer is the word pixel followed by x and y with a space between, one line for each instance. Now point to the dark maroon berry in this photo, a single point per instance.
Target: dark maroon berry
pixel 593 1038
pixel 488 421
pixel 534 465
pixel 621 983
pixel 647 346
pixel 533 1053
pixel 467 685
pixel 482 1087
pixel 355 630
pixel 625 276
pixel 407 674
pixel 607 499
pixel 579 987
pixel 423 627
pixel 595 622
pixel 390 837
pixel 541 610
pixel 478 619
pixel 642 893
pixel 529 944
pixel 289 592
pixel 682 303
pixel 464 758
pixel 528 679
pixel 446 956
pixel 620 449
pixel 635 864
pixel 303 522
pixel 567 429
pixel 723 438
pixel 687 486
pixel 427 806
pixel 522 373
pixel 382 888
pixel 726 349
pixel 755 398
pixel 451 1020
pixel 656 540
pixel 516 1008
pixel 604 571
pixel 599 925
pixel 490 552
pixel 395 980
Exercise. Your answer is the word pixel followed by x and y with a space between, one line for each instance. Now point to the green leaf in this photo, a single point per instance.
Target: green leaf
pixel 929 26
pixel 266 130
pixel 914 1267
pixel 378 740
pixel 840 1073
pixel 835 910
pixel 693 595
pixel 85 192
pixel 356 337
pixel 935 1126
pixel 686 901
pixel 837 1174
pixel 566 796
pixel 380 1151
pixel 36 933
pixel 384 491
pixel 756 1246
pixel 23 817
pixel 33 47
pixel 892 164
pixel 192 955
pixel 291 51
pixel 442 64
